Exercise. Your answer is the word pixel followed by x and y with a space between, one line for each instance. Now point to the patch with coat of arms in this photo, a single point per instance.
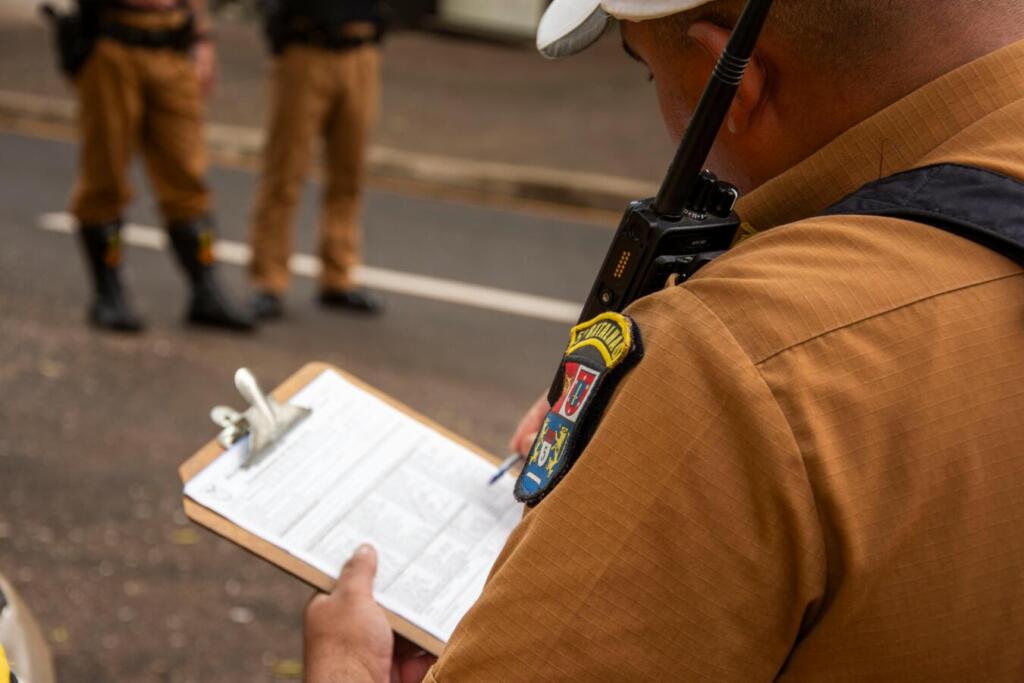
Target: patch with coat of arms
pixel 600 352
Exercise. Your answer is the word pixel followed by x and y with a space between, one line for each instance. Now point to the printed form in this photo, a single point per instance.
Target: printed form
pixel 358 470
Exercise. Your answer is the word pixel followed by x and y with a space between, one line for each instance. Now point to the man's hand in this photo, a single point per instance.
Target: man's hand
pixel 347 635
pixel 204 57
pixel 528 427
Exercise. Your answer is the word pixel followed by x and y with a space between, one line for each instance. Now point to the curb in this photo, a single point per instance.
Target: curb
pixel 571 188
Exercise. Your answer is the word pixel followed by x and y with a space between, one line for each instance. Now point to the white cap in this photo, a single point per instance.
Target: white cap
pixel 569 26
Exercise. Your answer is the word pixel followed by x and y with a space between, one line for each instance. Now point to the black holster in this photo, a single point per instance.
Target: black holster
pixel 75 34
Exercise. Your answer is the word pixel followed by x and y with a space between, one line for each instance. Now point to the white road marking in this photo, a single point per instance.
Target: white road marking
pixel 409 284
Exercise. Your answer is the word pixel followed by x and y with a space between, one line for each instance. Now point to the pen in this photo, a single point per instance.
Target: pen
pixel 504 467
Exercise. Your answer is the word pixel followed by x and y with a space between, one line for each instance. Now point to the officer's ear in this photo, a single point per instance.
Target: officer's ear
pixel 753 90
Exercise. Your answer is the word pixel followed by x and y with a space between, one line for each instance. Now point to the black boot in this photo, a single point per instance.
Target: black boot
pixel 110 309
pixel 267 306
pixel 357 300
pixel 193 245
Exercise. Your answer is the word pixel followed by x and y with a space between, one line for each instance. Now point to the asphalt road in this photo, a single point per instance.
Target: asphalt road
pixel 93 426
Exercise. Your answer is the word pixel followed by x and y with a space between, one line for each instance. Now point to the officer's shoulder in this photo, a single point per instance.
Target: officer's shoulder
pixel 803 280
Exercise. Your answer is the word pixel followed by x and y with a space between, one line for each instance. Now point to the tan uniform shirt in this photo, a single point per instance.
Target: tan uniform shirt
pixel 817 470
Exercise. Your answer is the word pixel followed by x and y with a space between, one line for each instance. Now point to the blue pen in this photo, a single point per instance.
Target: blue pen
pixel 504 467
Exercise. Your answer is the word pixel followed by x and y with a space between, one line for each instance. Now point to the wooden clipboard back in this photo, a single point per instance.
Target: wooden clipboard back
pixel 271 553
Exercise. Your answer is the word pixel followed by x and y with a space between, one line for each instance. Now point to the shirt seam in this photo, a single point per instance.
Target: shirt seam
pixel 796 447
pixel 882 314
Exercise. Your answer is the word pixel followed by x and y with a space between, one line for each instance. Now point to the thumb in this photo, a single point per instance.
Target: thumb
pixel 525 442
pixel 358 573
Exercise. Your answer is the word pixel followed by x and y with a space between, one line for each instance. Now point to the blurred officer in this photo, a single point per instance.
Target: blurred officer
pixel 807 462
pixel 324 84
pixel 141 90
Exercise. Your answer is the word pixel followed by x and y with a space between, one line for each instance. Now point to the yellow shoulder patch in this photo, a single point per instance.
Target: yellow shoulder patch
pixel 610 333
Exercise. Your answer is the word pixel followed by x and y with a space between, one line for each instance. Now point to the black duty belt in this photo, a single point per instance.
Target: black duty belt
pixel 179 39
pixel 333 38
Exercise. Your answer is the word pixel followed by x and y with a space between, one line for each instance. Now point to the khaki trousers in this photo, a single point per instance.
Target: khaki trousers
pixel 315 93
pixel 133 98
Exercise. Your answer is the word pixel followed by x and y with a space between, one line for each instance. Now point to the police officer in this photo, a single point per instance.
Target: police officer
pixel 141 90
pixel 324 84
pixel 810 460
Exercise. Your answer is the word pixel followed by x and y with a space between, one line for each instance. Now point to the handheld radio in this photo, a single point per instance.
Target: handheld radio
pixel 691 220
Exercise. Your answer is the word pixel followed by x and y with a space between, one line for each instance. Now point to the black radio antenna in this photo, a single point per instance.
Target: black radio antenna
pixel 683 179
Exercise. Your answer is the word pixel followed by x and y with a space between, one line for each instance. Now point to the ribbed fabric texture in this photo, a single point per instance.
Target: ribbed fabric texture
pixel 817 470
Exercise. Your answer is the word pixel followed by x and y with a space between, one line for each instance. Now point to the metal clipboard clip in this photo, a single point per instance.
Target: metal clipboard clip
pixel 265 421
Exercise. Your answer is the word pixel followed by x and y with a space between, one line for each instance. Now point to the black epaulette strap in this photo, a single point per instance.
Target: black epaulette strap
pixel 974 203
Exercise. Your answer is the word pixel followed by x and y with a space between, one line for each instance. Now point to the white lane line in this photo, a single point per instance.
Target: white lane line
pixel 409 284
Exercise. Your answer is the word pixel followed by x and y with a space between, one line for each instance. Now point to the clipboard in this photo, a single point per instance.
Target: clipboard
pixel 279 557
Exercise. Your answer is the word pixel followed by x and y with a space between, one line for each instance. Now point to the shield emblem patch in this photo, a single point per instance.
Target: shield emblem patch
pixel 600 351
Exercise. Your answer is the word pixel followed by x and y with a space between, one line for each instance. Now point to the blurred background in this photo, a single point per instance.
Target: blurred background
pixel 496 179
